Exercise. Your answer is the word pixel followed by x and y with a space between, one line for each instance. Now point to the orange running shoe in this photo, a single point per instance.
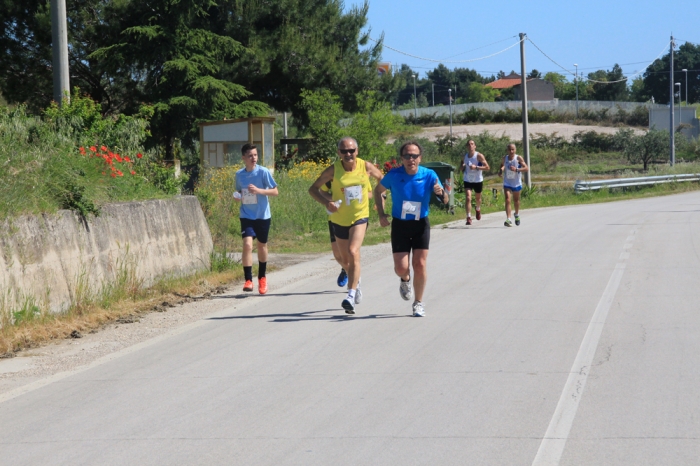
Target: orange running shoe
pixel 248 286
pixel 262 285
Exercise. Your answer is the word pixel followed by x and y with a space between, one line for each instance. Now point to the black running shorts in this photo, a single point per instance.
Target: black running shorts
pixel 330 230
pixel 409 234
pixel 477 187
pixel 258 229
pixel 342 232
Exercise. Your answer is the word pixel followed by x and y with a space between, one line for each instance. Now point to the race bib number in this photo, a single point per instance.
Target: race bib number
pixel 410 208
pixel 353 193
pixel 473 176
pixel 248 197
pixel 511 175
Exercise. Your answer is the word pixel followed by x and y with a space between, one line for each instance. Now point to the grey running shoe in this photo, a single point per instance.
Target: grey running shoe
pixel 406 290
pixel 348 306
pixel 517 220
pixel 508 223
pixel 418 309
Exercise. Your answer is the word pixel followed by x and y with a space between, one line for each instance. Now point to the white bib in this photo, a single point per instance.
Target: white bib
pixel 410 208
pixel 248 197
pixel 511 175
pixel 473 176
pixel 353 193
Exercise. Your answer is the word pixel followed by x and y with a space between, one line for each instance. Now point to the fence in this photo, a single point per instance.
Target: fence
pixel 581 186
pixel 557 106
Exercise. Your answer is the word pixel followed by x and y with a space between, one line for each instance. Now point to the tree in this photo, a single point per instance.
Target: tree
pixel 534 74
pixel 371 126
pixel 477 92
pixel 609 85
pixel 651 147
pixel 656 76
pixel 323 110
pixel 177 60
pixel 638 92
pixel 301 44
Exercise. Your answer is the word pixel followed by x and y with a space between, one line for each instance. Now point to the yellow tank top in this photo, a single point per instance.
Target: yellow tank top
pixel 353 189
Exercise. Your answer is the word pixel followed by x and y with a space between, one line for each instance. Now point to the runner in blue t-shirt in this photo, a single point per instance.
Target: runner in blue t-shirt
pixel 411 187
pixel 253 185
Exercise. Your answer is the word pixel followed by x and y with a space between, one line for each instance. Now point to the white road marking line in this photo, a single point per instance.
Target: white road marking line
pixel 554 441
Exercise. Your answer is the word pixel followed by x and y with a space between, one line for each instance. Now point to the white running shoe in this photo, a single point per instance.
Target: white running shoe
pixel 406 290
pixel 358 295
pixel 418 309
pixel 348 306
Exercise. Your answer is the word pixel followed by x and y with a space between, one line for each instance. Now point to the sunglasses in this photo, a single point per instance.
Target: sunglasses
pixel 347 151
pixel 410 156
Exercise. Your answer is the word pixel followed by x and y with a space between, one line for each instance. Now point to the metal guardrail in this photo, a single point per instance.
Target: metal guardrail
pixel 580 186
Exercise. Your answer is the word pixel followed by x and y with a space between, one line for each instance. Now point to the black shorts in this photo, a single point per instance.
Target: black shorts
pixel 409 234
pixel 342 232
pixel 330 230
pixel 477 187
pixel 258 229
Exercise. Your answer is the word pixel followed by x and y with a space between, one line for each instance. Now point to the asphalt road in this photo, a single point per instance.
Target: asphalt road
pixel 572 339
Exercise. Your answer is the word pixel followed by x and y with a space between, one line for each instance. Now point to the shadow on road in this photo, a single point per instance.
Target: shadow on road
pixel 256 295
pixel 310 316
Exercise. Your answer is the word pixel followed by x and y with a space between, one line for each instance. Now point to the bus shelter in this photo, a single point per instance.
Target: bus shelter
pixel 221 141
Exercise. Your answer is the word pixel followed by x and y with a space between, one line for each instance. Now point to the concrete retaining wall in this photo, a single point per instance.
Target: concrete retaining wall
pixel 49 257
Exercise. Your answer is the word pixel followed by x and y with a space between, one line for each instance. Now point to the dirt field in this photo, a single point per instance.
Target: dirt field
pixel 514 131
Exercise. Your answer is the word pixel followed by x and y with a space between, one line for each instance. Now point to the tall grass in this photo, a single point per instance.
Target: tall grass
pixel 43 169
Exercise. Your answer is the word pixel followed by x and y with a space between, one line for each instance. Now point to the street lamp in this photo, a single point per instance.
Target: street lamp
pixel 576 81
pixel 415 105
pixel 685 70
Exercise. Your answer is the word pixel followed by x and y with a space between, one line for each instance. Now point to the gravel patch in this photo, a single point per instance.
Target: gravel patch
pixel 514 131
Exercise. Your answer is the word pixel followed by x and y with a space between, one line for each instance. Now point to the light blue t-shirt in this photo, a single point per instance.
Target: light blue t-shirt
pixel 410 194
pixel 254 206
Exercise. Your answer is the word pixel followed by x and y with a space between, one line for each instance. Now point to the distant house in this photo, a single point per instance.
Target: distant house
pixel 537 89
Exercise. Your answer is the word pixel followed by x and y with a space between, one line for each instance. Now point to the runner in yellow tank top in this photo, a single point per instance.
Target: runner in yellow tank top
pixel 348 203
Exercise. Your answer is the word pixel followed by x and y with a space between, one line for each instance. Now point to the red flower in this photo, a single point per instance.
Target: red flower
pixel 133 172
pixel 119 173
pixel 127 159
pixel 113 175
pixel 103 148
pixel 139 155
pixel 93 148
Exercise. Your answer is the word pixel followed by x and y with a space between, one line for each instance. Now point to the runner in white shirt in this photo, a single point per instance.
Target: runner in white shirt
pixel 511 169
pixel 473 166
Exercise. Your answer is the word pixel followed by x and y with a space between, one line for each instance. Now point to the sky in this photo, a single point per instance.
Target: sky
pixel 593 34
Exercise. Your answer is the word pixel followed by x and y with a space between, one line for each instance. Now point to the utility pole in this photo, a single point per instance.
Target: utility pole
pixel 285 134
pixel 433 94
pixel 673 123
pixel 59 46
pixel 415 104
pixel 526 139
pixel 576 81
pixel 449 91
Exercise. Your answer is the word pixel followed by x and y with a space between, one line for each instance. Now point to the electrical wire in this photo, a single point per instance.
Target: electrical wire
pixel 447 61
pixel 482 47
pixel 593 80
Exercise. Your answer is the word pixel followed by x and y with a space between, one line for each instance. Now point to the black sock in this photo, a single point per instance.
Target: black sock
pixel 262 268
pixel 248 272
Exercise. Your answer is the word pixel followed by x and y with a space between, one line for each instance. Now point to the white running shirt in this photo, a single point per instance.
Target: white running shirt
pixel 472 176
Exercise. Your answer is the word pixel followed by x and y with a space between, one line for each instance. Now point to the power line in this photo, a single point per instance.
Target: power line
pixel 593 80
pixel 482 47
pixel 446 61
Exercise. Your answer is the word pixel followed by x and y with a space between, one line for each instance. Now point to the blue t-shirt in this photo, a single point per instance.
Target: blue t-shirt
pixel 410 194
pixel 254 206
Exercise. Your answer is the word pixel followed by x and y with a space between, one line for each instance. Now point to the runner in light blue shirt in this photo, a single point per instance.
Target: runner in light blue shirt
pixel 253 185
